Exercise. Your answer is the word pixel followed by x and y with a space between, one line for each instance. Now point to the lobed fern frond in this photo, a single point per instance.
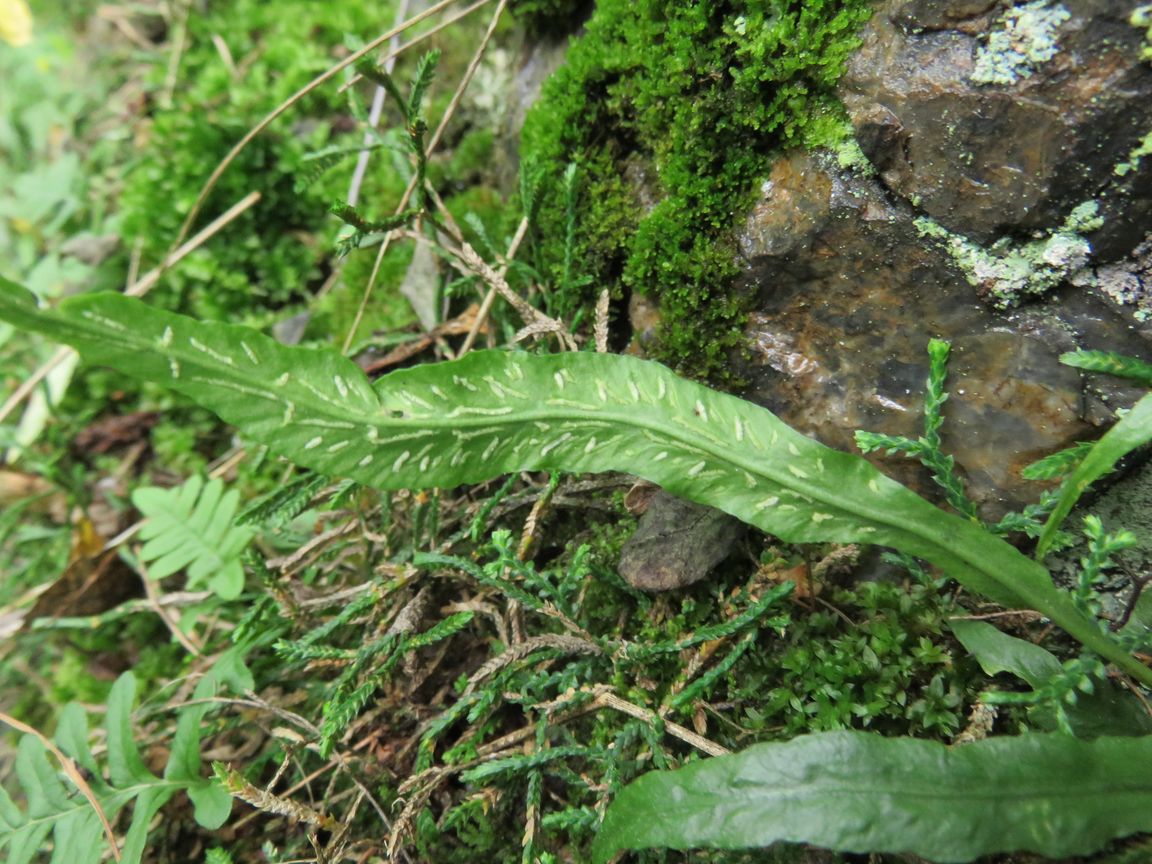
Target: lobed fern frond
pixel 493 413
pixel 58 818
pixel 194 526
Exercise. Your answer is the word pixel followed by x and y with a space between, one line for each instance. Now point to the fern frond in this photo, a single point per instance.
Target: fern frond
pixel 193 526
pixel 491 413
pixel 55 809
pixel 1110 363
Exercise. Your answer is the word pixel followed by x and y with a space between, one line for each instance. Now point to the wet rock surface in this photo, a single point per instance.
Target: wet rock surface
pixel 848 295
pixel 993 118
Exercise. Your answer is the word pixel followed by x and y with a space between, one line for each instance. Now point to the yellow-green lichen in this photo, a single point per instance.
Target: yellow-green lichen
pixel 1007 272
pixel 1025 40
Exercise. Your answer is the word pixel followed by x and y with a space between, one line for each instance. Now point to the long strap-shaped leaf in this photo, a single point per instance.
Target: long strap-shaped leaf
pixel 860 792
pixel 494 412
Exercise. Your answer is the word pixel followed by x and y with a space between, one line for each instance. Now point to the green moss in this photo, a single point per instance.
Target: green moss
pixel 892 670
pixel 699 96
pixel 274 251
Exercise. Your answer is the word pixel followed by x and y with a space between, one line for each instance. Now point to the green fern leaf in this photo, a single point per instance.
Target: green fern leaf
pixel 55 809
pixel 194 526
pixel 494 412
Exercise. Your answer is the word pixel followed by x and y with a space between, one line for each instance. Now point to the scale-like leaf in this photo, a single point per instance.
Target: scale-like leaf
pixel 859 792
pixel 1130 432
pixel 494 412
pixel 194 526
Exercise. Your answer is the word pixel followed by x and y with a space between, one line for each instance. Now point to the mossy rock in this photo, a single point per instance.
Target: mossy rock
pixel 706 98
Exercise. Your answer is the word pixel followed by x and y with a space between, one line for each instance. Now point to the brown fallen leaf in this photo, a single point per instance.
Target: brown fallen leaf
pixel 458 326
pixel 116 432
pixel 93 582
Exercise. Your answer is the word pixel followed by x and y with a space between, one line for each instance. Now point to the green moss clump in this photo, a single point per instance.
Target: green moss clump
pixel 704 94
pixel 893 671
pixel 273 251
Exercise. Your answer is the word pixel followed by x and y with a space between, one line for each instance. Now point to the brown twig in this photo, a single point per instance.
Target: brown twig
pixel 433 142
pixel 610 700
pixel 490 297
pixel 536 322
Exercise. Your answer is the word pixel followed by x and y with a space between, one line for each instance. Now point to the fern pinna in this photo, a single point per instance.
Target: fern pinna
pixel 193 527
pixel 118 779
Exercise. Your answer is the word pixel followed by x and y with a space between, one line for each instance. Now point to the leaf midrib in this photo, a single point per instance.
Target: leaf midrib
pixel 305 399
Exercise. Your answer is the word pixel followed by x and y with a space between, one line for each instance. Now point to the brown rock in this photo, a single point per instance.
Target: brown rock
pixel 677 543
pixel 849 295
pixel 988 148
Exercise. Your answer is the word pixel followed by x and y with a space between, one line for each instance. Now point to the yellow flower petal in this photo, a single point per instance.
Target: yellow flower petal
pixel 15 22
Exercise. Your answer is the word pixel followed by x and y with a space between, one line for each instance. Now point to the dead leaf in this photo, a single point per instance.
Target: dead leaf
pixel 93 582
pixel 116 432
pixel 798 576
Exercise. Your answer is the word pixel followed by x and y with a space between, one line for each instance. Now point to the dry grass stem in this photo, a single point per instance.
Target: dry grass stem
pixel 69 768
pixel 137 289
pixel 433 142
pixel 537 322
pixel 191 645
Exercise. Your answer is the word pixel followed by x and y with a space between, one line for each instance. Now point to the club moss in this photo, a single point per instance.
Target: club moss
pixel 672 112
